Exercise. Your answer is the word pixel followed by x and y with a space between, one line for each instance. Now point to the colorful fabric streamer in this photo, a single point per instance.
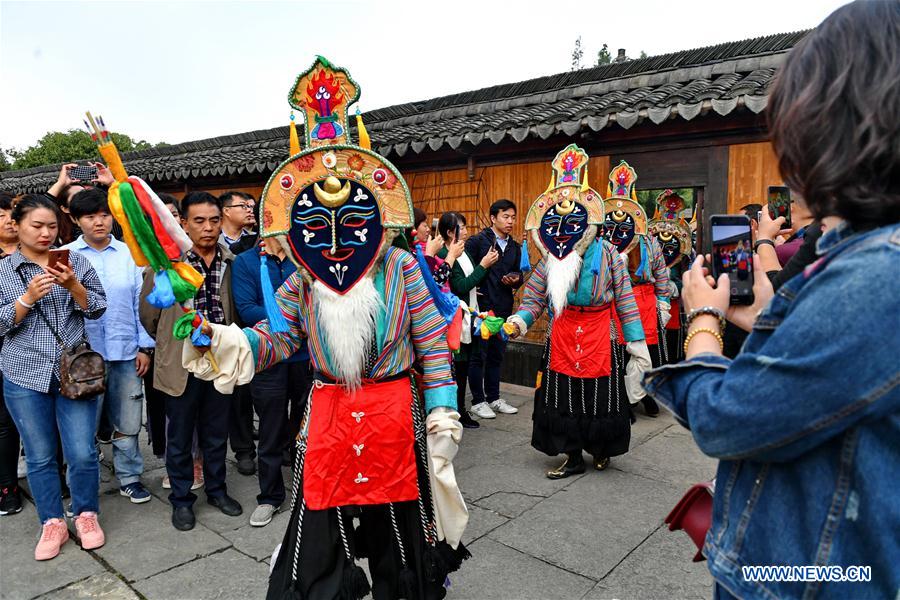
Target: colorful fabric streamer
pixel 643 269
pixel 162 235
pixel 162 295
pixel 169 222
pixel 115 207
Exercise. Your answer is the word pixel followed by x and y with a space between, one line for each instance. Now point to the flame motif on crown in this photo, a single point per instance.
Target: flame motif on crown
pixel 621 182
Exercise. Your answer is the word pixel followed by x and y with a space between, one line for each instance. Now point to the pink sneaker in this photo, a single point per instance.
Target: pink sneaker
pixel 54 535
pixel 89 531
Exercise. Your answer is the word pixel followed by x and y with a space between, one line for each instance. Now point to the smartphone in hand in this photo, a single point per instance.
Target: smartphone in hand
pixel 779 202
pixel 86 173
pixel 58 256
pixel 732 254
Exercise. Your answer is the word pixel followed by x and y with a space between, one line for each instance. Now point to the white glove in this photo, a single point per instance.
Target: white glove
pixel 673 289
pixel 664 314
pixel 450 513
pixel 232 353
pixel 518 322
pixel 638 364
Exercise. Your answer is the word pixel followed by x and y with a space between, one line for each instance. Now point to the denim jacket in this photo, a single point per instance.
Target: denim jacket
pixel 806 424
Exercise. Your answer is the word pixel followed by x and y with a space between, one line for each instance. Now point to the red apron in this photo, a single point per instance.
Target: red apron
pixel 579 342
pixel 674 314
pixel 360 446
pixel 645 296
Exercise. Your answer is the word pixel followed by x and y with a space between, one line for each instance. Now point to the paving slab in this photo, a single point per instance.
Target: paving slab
pixel 670 456
pixel 104 586
pixel 497 571
pixel 23 577
pixel 640 575
pixel 259 542
pixel 141 542
pixel 227 574
pixel 646 428
pixel 481 522
pixel 509 504
pixel 482 445
pixel 589 526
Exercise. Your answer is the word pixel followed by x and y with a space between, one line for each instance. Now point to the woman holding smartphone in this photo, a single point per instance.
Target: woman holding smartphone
pixel 806 419
pixel 65 294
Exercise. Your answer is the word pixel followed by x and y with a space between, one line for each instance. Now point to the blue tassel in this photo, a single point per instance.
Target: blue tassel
pixel 446 303
pixel 598 255
pixel 162 296
pixel 277 323
pixel 525 261
pixel 644 267
pixel 198 338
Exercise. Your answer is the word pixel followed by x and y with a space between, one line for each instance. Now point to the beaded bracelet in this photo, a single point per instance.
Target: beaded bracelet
pixel 712 332
pixel 706 310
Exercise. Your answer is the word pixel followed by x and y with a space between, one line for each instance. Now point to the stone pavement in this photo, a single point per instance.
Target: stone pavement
pixel 593 536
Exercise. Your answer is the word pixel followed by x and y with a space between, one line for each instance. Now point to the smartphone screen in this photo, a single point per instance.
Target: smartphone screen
pixel 434 227
pixel 83 173
pixel 732 254
pixel 779 200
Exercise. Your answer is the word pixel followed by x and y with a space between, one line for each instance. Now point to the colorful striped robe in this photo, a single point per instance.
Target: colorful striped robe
pixel 410 327
pixel 611 285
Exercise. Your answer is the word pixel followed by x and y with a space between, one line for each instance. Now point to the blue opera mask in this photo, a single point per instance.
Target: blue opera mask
pixel 671 247
pixel 619 229
pixel 336 231
pixel 562 227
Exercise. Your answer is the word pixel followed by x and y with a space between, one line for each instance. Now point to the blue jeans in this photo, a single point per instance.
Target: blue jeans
pixel 484 368
pixel 123 404
pixel 39 418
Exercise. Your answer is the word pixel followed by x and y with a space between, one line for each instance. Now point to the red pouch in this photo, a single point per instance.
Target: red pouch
pixel 693 513
pixel 360 446
pixel 579 342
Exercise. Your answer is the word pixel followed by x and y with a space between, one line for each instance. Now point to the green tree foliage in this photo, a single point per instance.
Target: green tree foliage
pixel 72 145
pixel 604 57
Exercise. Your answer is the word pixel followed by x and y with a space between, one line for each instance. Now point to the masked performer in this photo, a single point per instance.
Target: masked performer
pixel 362 306
pixel 579 404
pixel 626 229
pixel 673 235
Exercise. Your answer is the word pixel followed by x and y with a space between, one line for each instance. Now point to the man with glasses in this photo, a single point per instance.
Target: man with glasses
pixel 238 216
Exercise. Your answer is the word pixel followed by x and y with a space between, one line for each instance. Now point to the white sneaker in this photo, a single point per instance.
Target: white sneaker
pixel 483 411
pixel 262 515
pixel 501 406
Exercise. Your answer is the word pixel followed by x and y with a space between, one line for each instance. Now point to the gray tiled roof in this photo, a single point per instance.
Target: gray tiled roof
pixel 721 79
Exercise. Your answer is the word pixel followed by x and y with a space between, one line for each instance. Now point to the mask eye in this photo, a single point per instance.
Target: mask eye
pixel 314 223
pixel 353 222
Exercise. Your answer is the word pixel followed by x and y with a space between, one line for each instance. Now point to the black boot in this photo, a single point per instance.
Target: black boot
pixel 650 406
pixel 574 465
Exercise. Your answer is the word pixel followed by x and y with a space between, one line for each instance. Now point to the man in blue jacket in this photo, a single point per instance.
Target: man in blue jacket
pixel 494 293
pixel 274 389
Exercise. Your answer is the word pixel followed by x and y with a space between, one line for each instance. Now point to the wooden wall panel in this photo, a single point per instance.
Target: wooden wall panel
pixel 437 192
pixel 751 169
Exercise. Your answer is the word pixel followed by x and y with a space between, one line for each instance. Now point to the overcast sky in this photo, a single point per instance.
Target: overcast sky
pixel 178 71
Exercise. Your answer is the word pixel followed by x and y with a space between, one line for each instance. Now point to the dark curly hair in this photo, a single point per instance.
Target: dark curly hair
pixel 834 115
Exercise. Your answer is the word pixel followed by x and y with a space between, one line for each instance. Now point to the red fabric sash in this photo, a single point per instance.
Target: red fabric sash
pixel 360 446
pixel 579 342
pixel 645 296
pixel 674 314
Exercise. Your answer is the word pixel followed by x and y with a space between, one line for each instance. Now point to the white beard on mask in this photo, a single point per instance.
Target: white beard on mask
pixel 561 277
pixel 348 324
